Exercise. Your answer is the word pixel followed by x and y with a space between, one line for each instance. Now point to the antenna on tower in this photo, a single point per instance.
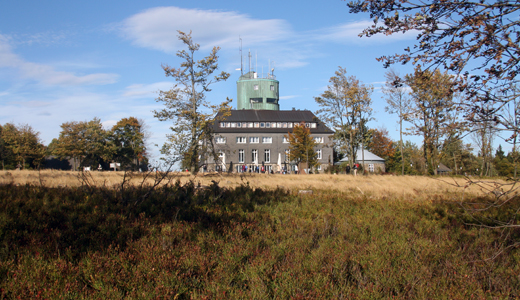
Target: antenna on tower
pixel 241 64
pixel 249 61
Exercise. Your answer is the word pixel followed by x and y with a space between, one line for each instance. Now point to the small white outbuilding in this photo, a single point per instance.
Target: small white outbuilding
pixel 373 163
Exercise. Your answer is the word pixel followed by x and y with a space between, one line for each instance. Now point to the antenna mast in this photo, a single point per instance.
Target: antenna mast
pixel 241 64
pixel 249 60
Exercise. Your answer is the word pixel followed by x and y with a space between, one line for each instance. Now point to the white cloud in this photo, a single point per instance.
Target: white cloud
pixel 147 90
pixel 47 74
pixel 156 28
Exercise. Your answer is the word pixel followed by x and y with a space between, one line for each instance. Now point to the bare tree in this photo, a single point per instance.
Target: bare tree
pixel 482 136
pixel 399 103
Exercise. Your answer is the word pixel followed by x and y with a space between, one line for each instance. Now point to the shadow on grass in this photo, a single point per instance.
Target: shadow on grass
pixel 73 221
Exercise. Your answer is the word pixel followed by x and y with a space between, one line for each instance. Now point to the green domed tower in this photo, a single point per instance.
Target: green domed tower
pixel 257 93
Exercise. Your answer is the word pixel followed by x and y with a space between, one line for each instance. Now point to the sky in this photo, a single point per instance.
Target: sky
pixel 63 61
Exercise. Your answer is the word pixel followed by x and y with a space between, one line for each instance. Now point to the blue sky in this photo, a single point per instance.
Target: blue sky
pixel 66 61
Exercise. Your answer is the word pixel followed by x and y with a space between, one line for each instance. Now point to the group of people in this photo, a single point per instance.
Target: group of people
pixel 256 169
pixel 355 168
pixel 251 169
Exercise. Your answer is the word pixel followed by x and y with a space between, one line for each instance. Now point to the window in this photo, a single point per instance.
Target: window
pixel 254 156
pixel 284 125
pixel 241 139
pixel 318 168
pixel 255 87
pixel 257 125
pixel 222 124
pixel 371 168
pixel 241 155
pixel 228 124
pixel 262 125
pixel 250 125
pixel 267 155
pixel 267 125
pixel 221 140
pixel 279 125
pixel 318 140
pixel 254 139
pixel 318 154
pixel 313 125
pixel 307 125
pixel 239 125
pixel 289 125
pixel 272 87
pixel 287 152
pixel 267 140
pixel 221 156
pixel 285 140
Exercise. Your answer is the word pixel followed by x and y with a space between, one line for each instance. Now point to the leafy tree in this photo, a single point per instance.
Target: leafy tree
pixel 301 146
pixel 345 106
pixel 128 138
pixel 382 145
pixel 432 96
pixel 22 145
pixel 186 105
pixel 6 155
pixel 399 103
pixel 502 164
pixel 458 156
pixel 415 163
pixel 87 143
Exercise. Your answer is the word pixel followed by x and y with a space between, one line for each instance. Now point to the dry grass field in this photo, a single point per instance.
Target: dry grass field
pixel 377 186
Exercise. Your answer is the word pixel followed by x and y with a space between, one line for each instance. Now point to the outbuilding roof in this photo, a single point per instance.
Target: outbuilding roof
pixel 255 115
pixel 369 156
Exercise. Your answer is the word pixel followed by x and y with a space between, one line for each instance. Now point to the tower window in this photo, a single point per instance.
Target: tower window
pixel 272 87
pixel 255 87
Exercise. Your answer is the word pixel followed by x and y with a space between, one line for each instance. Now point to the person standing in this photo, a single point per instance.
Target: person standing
pixel 347 170
pixel 356 166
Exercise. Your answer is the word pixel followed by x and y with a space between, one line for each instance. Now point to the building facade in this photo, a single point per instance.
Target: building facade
pixel 255 135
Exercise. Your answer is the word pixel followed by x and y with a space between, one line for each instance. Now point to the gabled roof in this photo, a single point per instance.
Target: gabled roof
pixel 369 156
pixel 443 168
pixel 255 115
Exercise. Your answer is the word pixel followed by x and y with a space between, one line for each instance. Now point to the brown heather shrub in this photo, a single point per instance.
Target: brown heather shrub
pixel 241 242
